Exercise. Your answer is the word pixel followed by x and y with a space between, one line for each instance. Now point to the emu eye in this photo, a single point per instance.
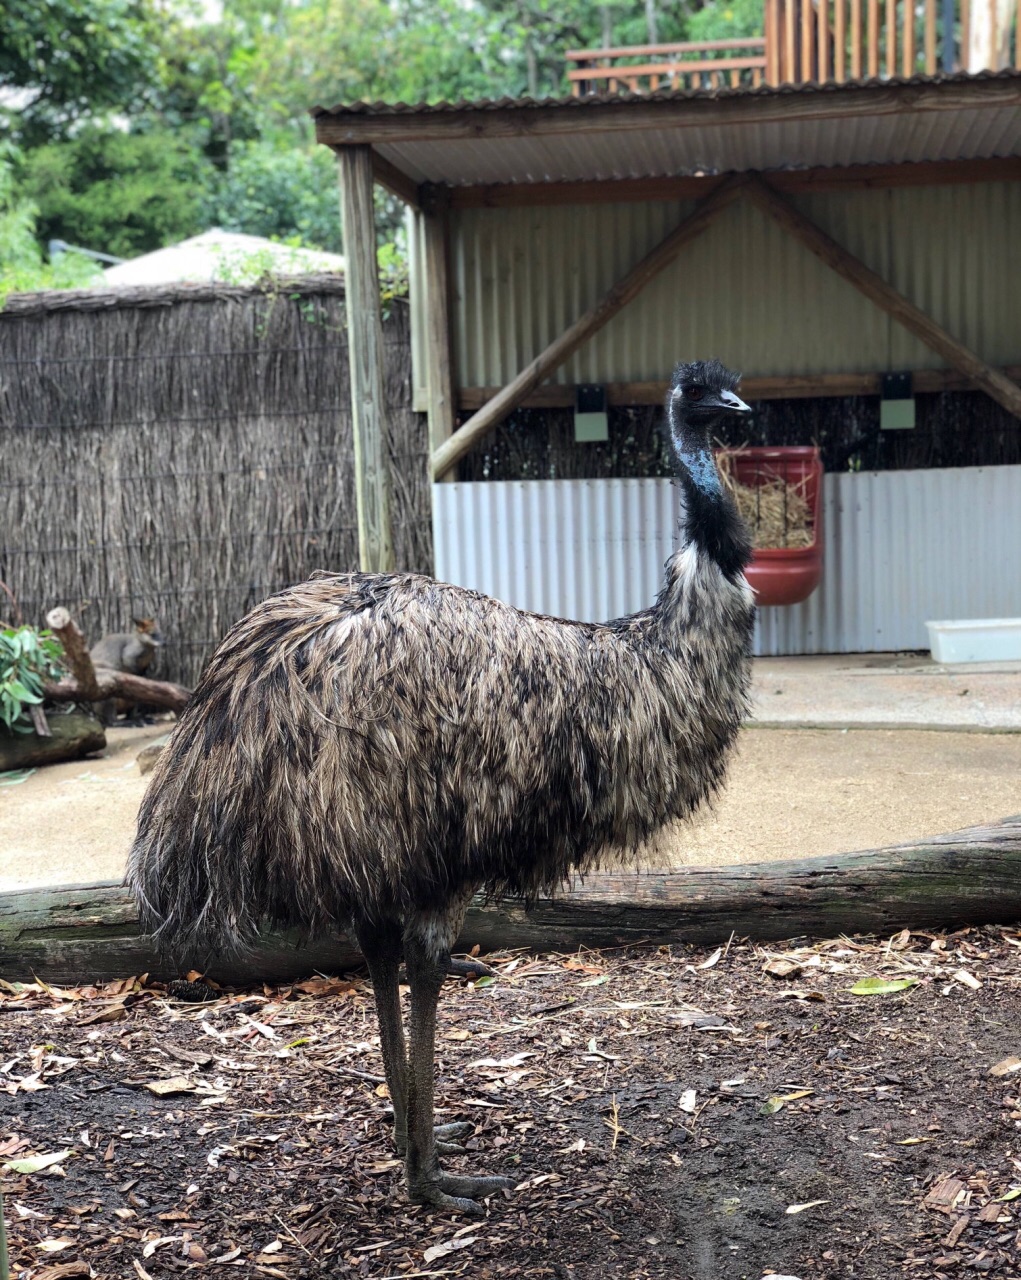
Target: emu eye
pixel 694 393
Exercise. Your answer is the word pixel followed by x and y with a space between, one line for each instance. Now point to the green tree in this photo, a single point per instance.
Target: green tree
pixel 727 20
pixel 22 267
pixel 117 192
pixel 73 58
pixel 284 192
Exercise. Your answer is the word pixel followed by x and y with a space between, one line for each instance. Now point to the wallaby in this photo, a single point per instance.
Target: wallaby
pixel 131 651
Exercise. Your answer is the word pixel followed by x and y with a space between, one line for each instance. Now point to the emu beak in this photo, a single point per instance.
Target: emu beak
pixel 734 403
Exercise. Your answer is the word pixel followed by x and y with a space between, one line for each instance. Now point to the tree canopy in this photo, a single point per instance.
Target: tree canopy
pixel 138 124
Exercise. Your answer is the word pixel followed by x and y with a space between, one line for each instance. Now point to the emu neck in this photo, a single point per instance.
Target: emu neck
pixel 711 521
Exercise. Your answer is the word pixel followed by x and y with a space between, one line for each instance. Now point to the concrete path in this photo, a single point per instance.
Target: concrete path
pixel 887 691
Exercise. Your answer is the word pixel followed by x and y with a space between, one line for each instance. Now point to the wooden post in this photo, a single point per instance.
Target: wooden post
pixel 627 288
pixel 365 358
pixel 439 365
pixel 773 36
pixel 884 295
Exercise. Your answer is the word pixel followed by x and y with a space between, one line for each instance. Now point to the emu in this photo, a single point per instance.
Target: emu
pixel 370 750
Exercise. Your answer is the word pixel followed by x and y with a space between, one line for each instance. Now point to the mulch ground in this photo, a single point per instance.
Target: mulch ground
pixel 667 1113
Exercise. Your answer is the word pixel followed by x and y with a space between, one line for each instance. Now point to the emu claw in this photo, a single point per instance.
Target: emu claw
pixel 467 968
pixel 456 1194
pixel 444 1135
pixel 455 1129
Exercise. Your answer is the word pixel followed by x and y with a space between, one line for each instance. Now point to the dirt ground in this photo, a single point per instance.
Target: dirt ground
pixel 792 793
pixel 676 1114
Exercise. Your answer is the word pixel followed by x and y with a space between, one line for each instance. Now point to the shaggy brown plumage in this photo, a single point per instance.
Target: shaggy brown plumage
pixel 372 749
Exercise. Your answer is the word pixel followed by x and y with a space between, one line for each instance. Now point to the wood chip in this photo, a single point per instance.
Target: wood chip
pixel 1006 1067
pixel 945 1194
pixel 957 1230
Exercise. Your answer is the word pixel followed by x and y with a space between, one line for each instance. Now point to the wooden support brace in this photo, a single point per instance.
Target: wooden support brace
pixel 365 356
pixel 395 180
pixel 885 296
pixel 612 302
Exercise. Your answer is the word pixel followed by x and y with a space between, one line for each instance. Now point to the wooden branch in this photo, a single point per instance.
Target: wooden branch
pixel 39 722
pixel 90 933
pixel 120 684
pixel 560 395
pixel 875 288
pixel 76 652
pixel 612 302
pixel 365 351
pixel 395 180
pixel 345 127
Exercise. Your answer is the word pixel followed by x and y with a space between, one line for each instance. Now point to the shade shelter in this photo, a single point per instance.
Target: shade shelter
pixel 889 187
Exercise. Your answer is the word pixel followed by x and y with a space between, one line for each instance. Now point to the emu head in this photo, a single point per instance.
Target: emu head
pixel 701 394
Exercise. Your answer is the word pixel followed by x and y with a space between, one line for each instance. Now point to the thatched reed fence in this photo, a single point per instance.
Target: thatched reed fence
pixel 184 452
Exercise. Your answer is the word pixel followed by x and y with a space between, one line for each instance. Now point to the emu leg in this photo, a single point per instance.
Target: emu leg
pixel 427 1184
pixel 380 944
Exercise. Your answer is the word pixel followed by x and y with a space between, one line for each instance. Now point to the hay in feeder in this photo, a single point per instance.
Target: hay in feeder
pixel 775 508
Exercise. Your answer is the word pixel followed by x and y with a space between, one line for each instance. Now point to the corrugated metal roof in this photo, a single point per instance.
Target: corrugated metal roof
pixel 676 132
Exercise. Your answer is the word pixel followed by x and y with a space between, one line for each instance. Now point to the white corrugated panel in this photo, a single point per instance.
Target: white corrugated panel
pixel 902 547
pixel 745 291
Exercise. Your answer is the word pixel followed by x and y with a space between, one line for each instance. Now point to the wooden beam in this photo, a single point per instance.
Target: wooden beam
pixel 365 361
pixel 89 933
pixel 627 288
pixel 435 268
pixel 868 282
pixel 344 127
pixel 641 190
pixel 395 180
pixel 559 395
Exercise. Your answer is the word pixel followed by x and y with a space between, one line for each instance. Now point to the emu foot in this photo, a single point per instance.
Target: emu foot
pixel 445 1137
pixel 467 968
pixel 456 1194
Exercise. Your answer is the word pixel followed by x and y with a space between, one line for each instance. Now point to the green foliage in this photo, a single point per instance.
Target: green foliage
pixel 117 192
pixel 74 57
pixel 27 658
pixel 727 20
pixel 22 268
pixel 278 193
pixel 392 264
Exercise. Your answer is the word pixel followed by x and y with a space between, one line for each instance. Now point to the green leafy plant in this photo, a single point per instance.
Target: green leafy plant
pixel 27 658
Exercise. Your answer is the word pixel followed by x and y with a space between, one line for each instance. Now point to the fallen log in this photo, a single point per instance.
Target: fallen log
pixel 90 932
pixel 70 738
pixel 121 684
pixel 89 684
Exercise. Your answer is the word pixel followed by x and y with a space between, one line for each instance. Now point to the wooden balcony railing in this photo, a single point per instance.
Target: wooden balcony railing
pixel 646 67
pixel 814 41
pixel 819 40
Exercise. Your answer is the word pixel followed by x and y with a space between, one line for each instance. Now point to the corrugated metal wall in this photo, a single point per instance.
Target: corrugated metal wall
pixel 901 547
pixel 745 291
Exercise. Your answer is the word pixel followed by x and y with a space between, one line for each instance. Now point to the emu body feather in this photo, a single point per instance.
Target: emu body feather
pixel 370 750
pixel 380 743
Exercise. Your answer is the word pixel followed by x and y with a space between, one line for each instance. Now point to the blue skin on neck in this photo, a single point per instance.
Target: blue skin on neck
pixel 702 470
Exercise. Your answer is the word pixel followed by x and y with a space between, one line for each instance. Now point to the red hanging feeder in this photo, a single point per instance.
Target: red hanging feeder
pixel 783 574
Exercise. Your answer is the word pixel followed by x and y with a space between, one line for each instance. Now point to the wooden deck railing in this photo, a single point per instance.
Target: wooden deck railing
pixel 814 41
pixel 646 67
